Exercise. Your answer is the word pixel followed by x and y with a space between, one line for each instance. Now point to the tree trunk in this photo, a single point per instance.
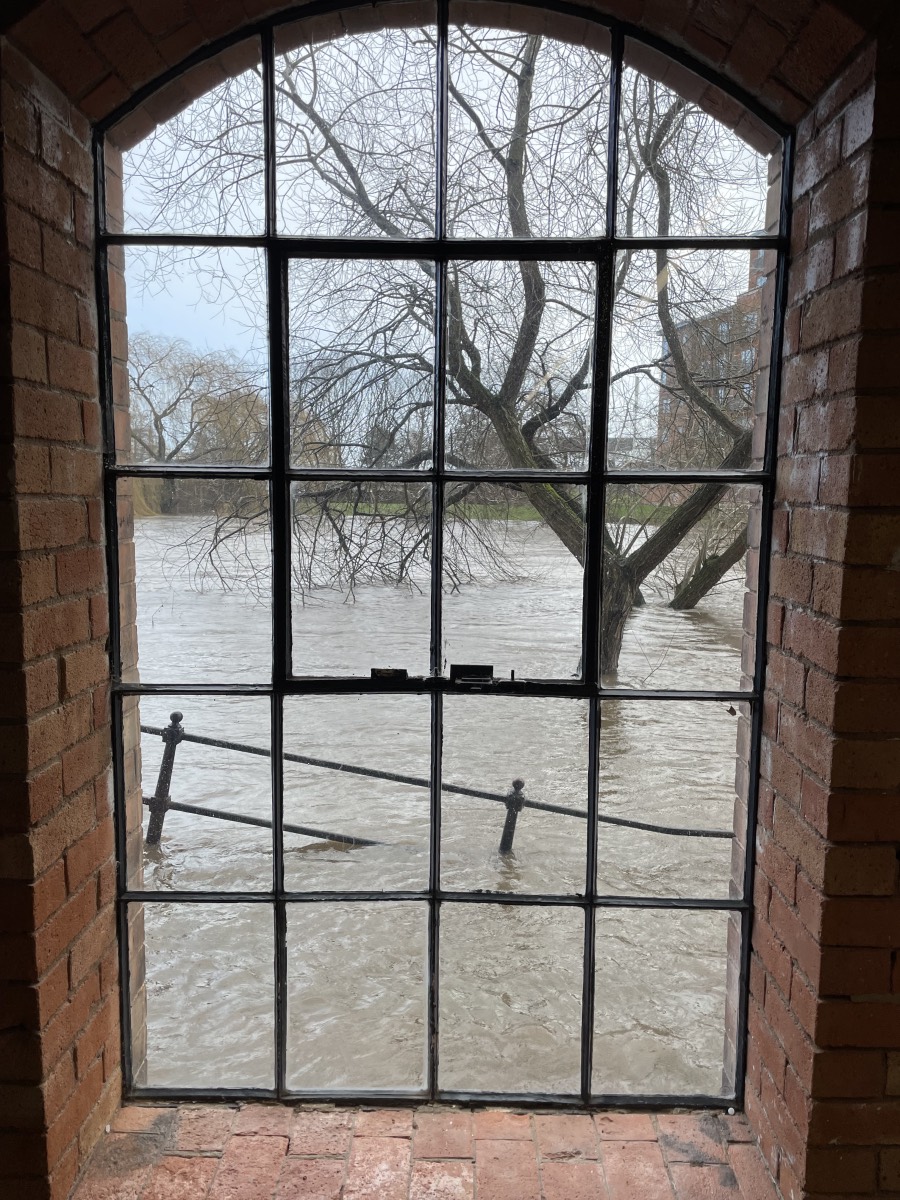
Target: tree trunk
pixel 167 497
pixel 708 573
pixel 620 589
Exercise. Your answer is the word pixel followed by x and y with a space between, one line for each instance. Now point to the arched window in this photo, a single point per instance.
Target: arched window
pixel 441 437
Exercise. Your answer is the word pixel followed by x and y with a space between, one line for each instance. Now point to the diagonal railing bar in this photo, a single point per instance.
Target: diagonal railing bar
pixel 421 782
pixel 198 810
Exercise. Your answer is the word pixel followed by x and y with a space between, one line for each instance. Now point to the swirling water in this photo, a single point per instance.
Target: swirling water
pixel 511 977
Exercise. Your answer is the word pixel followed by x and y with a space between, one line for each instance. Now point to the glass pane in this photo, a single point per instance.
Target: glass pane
pixel 195 583
pixel 510 998
pixel 519 345
pixel 346 735
pixel 513 577
pixel 191 852
pixel 692 162
pixel 190 372
pixel 659 1016
pixel 691 334
pixel 361 577
pixel 679 586
pixel 527 143
pixel 361 363
pixel 355 128
pixel 210 994
pixel 201 169
pixel 672 764
pixel 357 996
pixel 491 744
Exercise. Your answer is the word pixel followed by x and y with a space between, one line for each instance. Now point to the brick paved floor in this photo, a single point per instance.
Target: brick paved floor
pixel 264 1152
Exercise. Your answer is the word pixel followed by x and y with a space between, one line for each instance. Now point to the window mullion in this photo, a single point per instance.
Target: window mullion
pixel 279 510
pixel 594 552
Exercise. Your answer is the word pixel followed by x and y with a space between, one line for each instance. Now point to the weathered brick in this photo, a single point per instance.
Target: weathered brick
pixel 82 669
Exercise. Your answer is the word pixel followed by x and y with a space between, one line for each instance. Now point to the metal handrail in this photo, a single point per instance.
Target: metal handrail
pixel 514 800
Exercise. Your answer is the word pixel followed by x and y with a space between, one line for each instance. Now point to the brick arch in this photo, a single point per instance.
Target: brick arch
pixel 724 98
pixel 101 52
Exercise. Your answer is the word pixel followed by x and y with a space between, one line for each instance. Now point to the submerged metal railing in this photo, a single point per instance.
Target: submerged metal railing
pixel 514 800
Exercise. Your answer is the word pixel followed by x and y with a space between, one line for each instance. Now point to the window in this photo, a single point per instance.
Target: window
pixel 432 675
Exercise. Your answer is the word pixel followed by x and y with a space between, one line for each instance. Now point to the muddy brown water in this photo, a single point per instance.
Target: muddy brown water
pixel 511 977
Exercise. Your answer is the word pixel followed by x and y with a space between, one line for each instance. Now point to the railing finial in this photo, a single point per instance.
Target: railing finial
pixel 159 805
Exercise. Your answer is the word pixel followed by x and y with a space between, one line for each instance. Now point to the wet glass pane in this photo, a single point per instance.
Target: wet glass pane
pixel 527 142
pixel 691 336
pixel 357 996
pixel 355 128
pixel 513 577
pixel 195 580
pixel 679 586
pixel 659 1013
pixel 203 994
pixel 197 166
pixel 519 344
pixel 194 852
pixel 510 998
pixel 190 355
pixel 361 363
pixel 536 749
pixel 692 162
pixel 348 736
pixel 671 764
pixel 361 577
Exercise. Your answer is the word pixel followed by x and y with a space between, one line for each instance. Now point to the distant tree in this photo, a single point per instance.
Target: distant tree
pixel 188 407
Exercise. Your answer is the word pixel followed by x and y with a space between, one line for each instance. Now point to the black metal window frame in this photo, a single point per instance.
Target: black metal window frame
pixel 279 475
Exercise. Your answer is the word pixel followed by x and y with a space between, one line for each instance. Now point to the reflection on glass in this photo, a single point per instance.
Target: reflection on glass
pixel 360 568
pixel 202 853
pixel 510 998
pixel 357 998
pixel 195 580
pixel 682 171
pixel 355 131
pixel 491 743
pixel 668 763
pixel 513 577
pixel 527 138
pixel 190 376
pixel 679 586
pixel 519 345
pixel 209 995
pixel 348 736
pixel 361 363
pixel 659 1012
pixel 691 334
pixel 202 170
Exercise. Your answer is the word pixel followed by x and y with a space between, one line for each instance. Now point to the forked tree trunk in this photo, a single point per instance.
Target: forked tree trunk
pixel 708 574
pixel 620 595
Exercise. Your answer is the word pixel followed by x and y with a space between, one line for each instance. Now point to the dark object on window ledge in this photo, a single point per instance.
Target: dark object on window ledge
pixel 471 672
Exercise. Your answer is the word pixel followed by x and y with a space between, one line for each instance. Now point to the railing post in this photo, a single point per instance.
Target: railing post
pixel 159 805
pixel 515 801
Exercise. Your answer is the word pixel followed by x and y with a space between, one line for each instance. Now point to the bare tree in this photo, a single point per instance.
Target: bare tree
pixel 528 133
pixel 187 407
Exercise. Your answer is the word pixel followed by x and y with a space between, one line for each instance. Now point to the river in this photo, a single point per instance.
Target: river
pixel 511 977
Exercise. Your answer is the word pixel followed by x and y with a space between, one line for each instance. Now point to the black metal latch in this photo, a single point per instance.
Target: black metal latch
pixel 471 672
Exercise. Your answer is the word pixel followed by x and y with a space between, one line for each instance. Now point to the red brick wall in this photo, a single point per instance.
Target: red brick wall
pixel 786 51
pixel 824 1011
pixel 59 1037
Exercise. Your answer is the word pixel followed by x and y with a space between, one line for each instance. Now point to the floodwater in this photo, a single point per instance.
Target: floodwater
pixel 511 977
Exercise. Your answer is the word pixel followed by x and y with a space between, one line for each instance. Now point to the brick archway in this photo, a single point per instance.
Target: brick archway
pixel 100 54
pixel 823 1067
